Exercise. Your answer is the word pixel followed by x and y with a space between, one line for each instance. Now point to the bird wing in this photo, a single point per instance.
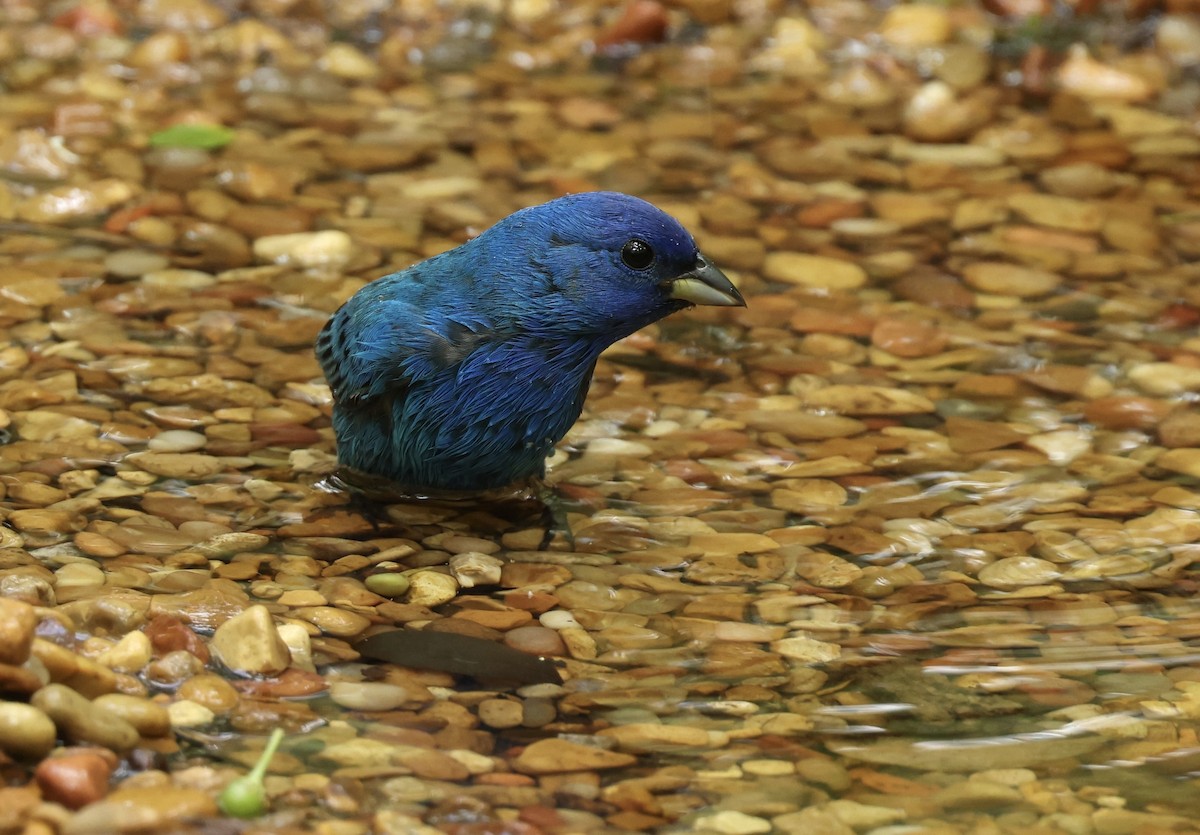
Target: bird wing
pixel 385 345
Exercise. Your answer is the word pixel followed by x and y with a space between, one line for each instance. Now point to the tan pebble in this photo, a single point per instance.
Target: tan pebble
pixel 17 624
pixel 367 695
pixel 1004 279
pixel 227 544
pixel 189 465
pixel 346 61
pixel 249 644
pixel 731 822
pixel 79 720
pixel 749 632
pixel 143 809
pixel 1180 428
pixel 813 271
pixel 299 644
pixel 1061 446
pixel 150 718
pixel 1015 572
pixel 978 794
pixel 80 674
pixel 1178 37
pixel 808 650
pixel 827 773
pixel 936 112
pixel 129 655
pixel 908 338
pixel 362 753
pixel 332 621
pixel 555 756
pixel 189 714
pixel 802 426
pixel 867 400
pixel 768 768
pixel 1088 78
pixel 783 724
pixel 301 597
pixel 472 569
pixel 809 821
pixel 210 691
pixel 43 521
pixel 864 816
pixel 732 543
pixel 25 731
pixel 501 713
pixel 431 588
pixel 1185 460
pixel 329 248
pixel 475 763
pixel 1165 378
pixel 1058 212
pixel 964 156
pixel 645 737
pixel 96 545
pixel 915 26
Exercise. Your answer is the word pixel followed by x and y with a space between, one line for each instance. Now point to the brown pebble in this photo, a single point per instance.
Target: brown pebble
pixel 74 780
pixel 536 640
pixel 641 21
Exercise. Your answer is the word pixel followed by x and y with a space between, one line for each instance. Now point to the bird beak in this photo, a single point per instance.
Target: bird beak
pixel 705 284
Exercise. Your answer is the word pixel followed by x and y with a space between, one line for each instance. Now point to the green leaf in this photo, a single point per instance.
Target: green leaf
pixel 209 137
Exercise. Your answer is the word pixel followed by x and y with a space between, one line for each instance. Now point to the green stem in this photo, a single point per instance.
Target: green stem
pixel 260 768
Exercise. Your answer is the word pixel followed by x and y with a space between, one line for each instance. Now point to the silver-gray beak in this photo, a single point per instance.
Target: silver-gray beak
pixel 705 284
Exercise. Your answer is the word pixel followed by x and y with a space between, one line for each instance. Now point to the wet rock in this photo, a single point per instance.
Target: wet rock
pixel 74 780
pixel 813 271
pixel 17 624
pixel 25 731
pixel 249 644
pixel 329 248
pixel 555 756
pixel 79 720
pixel 139 809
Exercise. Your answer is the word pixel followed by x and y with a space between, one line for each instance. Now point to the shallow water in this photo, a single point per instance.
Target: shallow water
pixel 908 545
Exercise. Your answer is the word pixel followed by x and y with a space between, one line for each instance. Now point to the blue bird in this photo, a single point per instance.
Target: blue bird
pixel 463 371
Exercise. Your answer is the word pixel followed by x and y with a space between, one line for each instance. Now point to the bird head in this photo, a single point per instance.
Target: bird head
pixel 616 263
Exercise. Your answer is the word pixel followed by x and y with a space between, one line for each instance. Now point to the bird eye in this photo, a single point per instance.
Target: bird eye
pixel 637 254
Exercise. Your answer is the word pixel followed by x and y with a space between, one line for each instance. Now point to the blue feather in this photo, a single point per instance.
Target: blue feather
pixel 463 371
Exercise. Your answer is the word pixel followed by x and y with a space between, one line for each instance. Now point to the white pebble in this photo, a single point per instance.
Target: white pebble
pixel 367 695
pixel 558 619
pixel 177 440
pixel 328 248
pixel 188 714
pixel 475 569
pixel 618 446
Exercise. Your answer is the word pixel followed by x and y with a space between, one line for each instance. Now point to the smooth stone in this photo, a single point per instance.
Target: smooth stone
pixel 802 269
pixel 556 756
pixel 431 588
pixel 80 720
pixel 367 695
pixel 142 809
pixel 328 248
pixel 473 569
pixel 149 718
pixel 18 620
pixel 730 822
pixel 25 731
pixel 249 644
pixel 188 714
pixel 74 780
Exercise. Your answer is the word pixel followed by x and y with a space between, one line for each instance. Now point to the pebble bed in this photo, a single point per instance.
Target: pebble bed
pixel 909 545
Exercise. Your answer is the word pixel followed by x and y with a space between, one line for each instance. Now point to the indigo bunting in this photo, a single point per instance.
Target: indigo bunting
pixel 462 371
